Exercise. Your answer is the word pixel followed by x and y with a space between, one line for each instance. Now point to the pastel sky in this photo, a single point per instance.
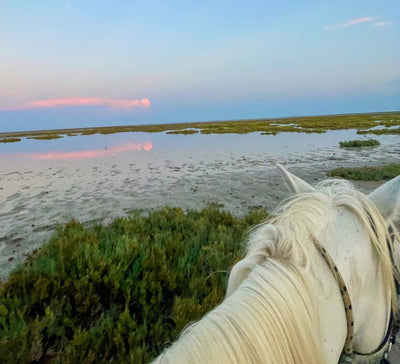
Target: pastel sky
pixel 91 63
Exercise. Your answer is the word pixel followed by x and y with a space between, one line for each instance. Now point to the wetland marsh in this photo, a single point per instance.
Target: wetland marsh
pixel 372 123
pixel 97 291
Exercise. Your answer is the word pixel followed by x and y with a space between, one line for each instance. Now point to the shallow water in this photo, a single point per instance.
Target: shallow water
pixel 169 146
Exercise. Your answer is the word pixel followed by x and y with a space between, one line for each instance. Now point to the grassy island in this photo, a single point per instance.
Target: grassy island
pixel 359 143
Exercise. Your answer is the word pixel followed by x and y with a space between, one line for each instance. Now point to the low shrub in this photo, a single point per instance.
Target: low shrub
pixel 359 143
pixel 119 293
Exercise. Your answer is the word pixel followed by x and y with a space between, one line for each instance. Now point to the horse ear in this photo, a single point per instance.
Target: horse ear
pixel 239 273
pixel 387 199
pixel 295 184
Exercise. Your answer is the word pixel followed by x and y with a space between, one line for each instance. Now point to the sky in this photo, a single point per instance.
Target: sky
pixel 66 64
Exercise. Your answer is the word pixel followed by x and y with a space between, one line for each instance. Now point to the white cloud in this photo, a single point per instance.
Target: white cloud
pixel 351 23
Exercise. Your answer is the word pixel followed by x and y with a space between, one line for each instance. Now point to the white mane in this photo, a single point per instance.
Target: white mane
pixel 269 315
pixel 287 235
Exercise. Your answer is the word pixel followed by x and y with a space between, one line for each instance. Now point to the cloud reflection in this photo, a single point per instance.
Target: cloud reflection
pixel 95 153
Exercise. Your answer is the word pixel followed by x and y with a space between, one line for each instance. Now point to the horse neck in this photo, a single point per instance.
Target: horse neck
pixel 347 241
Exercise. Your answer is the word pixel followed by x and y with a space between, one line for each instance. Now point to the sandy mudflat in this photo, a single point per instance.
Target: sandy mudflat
pixel 35 195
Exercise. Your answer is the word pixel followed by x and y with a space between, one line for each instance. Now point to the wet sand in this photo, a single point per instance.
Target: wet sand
pixel 36 194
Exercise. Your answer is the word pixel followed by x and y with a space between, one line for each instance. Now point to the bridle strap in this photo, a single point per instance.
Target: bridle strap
pixel 348 346
pixel 394 323
pixel 394 328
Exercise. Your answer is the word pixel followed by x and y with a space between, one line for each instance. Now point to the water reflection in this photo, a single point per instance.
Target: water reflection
pixel 94 153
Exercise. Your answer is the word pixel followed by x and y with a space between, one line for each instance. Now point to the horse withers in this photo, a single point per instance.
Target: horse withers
pixel 317 284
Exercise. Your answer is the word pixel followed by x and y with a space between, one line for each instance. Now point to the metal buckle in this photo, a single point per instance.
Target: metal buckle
pixel 386 353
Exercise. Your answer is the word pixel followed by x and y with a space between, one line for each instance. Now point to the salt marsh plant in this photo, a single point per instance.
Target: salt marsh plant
pixel 364 123
pixel 359 143
pixel 119 293
pixel 9 140
pixel 384 172
pixel 45 137
pixel 183 132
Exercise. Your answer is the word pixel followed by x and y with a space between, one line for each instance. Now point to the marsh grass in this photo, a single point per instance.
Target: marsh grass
pixel 118 293
pixel 46 137
pixel 9 140
pixel 183 132
pixel 384 172
pixel 359 143
pixel 305 124
pixel 380 131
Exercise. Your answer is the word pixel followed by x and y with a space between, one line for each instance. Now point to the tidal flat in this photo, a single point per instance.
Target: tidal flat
pixel 95 178
pixel 87 214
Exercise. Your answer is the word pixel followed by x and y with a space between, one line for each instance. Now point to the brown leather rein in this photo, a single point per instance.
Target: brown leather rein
pixel 394 324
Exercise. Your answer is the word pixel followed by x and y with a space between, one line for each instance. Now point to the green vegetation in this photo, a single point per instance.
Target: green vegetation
pixel 184 132
pixel 387 171
pixel 45 137
pixel 9 140
pixel 118 293
pixel 359 143
pixel 380 131
pixel 307 124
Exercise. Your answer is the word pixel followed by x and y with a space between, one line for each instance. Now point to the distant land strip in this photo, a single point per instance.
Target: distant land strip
pixel 366 123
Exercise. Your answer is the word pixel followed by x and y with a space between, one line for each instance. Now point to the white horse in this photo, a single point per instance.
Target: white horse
pixel 283 304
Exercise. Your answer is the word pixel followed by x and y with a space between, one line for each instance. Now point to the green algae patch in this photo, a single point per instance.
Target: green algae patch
pixel 9 140
pixel 363 123
pixel 384 172
pixel 118 293
pixel 359 143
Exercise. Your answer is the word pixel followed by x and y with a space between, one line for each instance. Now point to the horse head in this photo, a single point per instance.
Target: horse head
pixel 284 301
pixel 372 311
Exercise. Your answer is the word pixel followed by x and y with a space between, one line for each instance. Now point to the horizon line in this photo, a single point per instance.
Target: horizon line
pixel 38 131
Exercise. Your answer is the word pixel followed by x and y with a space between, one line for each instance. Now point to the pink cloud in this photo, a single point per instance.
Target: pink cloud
pixel 93 101
pixel 351 23
pixel 95 153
